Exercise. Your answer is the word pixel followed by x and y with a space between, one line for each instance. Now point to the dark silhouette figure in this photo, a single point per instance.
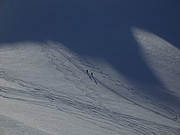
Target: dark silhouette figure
pixel 91 74
pixel 87 71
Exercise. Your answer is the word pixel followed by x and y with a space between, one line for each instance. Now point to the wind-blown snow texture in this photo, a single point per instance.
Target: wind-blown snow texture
pixel 131 47
pixel 46 90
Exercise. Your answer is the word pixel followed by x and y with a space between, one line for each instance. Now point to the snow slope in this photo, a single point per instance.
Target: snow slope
pixel 130 46
pixel 45 89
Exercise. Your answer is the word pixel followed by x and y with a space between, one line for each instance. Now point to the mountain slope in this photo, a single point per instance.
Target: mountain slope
pixel 45 89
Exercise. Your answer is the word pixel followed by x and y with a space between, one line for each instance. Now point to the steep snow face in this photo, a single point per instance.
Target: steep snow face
pixel 46 89
pixel 94 28
pixel 162 57
pixel 164 60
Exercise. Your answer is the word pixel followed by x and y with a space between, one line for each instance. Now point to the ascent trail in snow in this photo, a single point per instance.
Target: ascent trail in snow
pixel 107 87
pixel 97 81
pixel 94 79
pixel 62 88
pixel 77 67
pixel 89 76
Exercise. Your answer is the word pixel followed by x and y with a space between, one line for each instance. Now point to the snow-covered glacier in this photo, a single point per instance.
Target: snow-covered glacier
pixel 46 89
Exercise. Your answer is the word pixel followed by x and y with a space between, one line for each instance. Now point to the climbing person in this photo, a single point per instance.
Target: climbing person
pixel 93 78
pixel 91 74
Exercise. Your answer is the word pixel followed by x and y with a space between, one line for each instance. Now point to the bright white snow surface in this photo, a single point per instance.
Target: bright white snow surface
pixel 46 90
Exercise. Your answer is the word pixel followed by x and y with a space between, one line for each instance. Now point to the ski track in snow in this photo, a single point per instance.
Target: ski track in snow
pixel 117 121
pixel 117 93
pixel 93 110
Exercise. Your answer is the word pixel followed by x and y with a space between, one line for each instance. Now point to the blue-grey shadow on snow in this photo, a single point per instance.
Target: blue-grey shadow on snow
pixel 96 28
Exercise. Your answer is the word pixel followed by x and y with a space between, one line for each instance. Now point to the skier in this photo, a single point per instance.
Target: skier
pixel 87 71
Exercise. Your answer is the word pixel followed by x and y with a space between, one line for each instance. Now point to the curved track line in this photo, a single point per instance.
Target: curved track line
pixel 110 89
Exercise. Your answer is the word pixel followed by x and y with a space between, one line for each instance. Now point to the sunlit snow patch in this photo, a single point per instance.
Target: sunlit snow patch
pixel 161 56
